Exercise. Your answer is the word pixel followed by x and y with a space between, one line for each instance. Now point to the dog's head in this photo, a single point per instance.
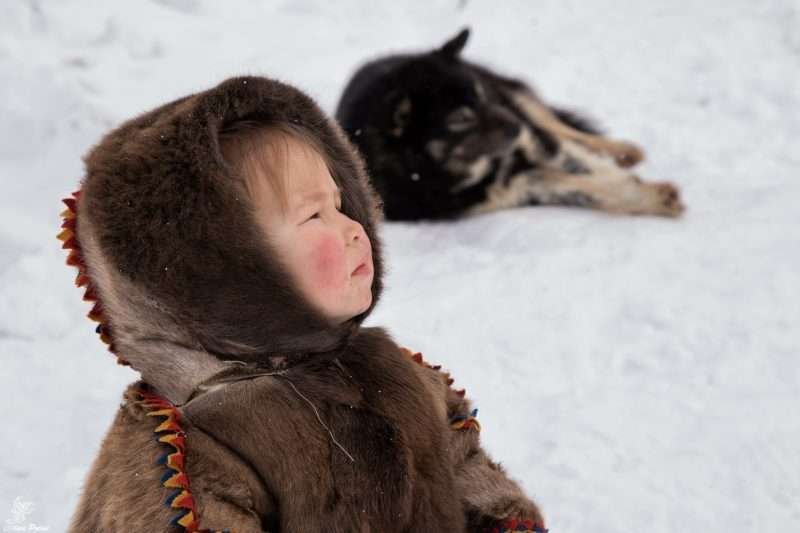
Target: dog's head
pixel 442 106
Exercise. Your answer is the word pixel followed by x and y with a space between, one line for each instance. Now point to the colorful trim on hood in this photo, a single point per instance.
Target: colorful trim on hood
pixel 169 431
pixel 69 238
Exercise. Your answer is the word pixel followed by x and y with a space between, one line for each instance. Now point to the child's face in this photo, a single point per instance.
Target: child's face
pixel 328 255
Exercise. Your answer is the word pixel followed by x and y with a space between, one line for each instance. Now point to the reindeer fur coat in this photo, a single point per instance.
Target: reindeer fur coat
pixel 286 423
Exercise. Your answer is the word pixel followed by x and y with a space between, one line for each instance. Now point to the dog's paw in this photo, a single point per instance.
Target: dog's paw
pixel 668 200
pixel 647 198
pixel 627 154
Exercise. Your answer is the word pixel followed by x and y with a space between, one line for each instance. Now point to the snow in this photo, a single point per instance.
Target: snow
pixel 634 374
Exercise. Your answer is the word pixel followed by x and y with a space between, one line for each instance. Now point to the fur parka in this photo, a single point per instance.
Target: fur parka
pixel 286 423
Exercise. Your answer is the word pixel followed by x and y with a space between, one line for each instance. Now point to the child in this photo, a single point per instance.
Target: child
pixel 229 241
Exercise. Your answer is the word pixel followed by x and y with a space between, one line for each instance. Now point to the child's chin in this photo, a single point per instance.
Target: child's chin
pixel 364 306
pixel 354 312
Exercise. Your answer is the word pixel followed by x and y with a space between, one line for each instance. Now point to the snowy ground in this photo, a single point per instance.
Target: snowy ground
pixel 635 374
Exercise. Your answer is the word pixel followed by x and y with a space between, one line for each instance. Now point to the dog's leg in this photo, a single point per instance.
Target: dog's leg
pixel 576 176
pixel 553 187
pixel 626 154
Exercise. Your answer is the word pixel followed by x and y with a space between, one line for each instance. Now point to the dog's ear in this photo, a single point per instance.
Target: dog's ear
pixel 452 48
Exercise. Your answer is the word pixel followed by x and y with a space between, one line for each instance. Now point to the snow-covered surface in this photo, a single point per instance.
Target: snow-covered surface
pixel 635 374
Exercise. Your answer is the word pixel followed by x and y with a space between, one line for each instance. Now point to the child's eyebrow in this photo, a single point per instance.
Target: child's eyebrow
pixel 320 195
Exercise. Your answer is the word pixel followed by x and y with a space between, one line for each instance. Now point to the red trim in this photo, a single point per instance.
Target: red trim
pixel 69 238
pixel 175 478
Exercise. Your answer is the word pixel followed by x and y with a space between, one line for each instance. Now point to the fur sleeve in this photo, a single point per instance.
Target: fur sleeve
pixel 492 501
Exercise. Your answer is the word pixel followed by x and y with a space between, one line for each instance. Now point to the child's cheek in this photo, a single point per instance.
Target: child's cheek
pixel 328 263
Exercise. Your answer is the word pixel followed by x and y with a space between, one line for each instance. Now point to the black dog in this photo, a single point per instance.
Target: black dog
pixel 444 137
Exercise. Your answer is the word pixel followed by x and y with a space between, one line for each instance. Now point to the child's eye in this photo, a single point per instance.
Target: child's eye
pixel 318 214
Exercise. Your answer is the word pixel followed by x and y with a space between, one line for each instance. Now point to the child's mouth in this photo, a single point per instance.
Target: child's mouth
pixel 363 269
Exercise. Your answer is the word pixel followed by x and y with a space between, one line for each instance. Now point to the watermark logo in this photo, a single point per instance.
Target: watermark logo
pixel 20 509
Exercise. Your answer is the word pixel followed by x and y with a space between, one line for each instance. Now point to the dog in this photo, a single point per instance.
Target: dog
pixel 445 138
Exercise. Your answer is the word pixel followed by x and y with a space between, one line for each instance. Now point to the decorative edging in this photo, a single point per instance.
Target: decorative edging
pixel 169 430
pixel 69 238
pixel 175 478
pixel 469 421
pixel 457 422
pixel 519 526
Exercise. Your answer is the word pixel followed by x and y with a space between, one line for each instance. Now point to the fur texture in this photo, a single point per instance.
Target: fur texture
pixel 444 138
pixel 292 425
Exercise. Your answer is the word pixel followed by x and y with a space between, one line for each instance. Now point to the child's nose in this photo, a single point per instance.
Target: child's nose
pixel 353 231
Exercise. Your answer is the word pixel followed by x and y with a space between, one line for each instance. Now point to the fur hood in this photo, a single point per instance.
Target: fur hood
pixel 171 250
